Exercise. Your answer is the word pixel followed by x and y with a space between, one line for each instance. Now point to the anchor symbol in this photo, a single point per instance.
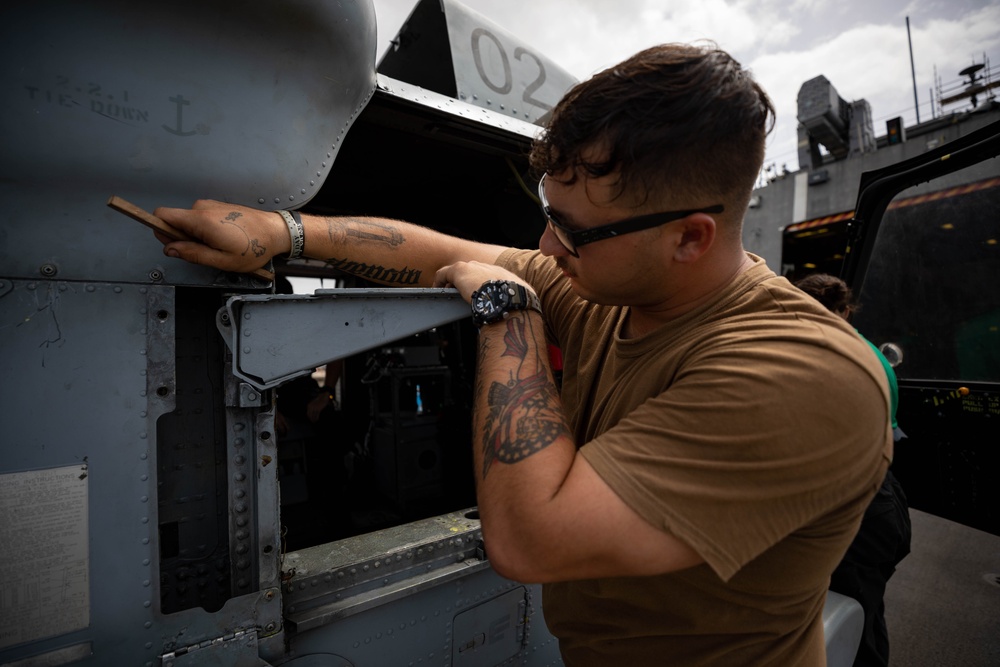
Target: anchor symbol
pixel 181 103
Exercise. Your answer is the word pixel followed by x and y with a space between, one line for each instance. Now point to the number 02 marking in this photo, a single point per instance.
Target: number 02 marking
pixel 527 96
pixel 508 82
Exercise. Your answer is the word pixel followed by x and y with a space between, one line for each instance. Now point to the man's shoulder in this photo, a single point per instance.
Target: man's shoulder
pixel 766 320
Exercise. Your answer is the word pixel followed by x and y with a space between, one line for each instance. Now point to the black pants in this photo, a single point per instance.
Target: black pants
pixel 881 543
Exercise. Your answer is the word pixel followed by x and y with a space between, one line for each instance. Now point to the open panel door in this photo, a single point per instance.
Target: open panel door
pixel 924 260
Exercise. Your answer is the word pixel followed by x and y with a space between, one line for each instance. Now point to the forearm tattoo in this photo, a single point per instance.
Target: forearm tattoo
pixel 523 415
pixel 358 230
pixel 375 272
pixel 253 245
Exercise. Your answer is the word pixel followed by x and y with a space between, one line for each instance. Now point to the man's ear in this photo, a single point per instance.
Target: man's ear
pixel 697 236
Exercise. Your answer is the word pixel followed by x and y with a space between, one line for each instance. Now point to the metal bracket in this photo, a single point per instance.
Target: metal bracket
pixel 250 397
pixel 274 338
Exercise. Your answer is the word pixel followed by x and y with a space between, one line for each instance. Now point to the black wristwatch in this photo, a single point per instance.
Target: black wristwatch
pixel 496 299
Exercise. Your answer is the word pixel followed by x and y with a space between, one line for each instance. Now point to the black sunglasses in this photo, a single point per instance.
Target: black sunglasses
pixel 572 239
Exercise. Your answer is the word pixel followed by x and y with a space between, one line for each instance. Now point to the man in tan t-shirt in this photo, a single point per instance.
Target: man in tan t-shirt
pixel 687 491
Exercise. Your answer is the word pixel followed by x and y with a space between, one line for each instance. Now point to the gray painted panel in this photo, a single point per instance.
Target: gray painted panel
pixel 421 629
pixel 163 103
pixel 495 70
pixel 95 369
pixel 71 366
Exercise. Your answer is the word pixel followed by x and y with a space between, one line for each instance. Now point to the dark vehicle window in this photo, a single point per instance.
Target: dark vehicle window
pixel 931 295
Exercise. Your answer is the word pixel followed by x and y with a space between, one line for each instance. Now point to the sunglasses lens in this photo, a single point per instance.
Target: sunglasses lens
pixel 562 237
pixel 561 234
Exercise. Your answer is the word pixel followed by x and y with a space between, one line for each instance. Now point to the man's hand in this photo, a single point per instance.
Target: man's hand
pixel 231 237
pixel 467 277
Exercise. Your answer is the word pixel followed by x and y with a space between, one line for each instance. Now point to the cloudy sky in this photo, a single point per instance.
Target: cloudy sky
pixel 859 45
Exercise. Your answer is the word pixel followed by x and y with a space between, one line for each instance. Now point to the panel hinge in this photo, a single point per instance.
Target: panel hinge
pixel 167 659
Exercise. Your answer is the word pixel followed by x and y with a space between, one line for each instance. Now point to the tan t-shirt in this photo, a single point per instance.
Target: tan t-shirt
pixel 755 429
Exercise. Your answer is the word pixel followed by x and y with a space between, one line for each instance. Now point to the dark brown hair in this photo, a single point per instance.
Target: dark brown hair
pixel 830 291
pixel 675 117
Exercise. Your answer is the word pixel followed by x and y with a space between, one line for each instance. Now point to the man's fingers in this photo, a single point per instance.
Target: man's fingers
pixel 183 219
pixel 163 238
pixel 196 221
pixel 441 277
pixel 197 253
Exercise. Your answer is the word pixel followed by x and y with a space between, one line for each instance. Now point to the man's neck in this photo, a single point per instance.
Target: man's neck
pixel 642 320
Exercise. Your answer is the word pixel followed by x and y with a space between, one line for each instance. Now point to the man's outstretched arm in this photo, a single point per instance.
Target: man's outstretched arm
pixel 390 252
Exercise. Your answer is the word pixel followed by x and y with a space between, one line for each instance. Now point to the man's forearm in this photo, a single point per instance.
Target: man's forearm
pixel 518 408
pixel 238 238
pixel 390 252
pixel 522 447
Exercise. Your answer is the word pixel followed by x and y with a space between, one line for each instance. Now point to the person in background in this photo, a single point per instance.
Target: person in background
pixel 685 494
pixel 884 537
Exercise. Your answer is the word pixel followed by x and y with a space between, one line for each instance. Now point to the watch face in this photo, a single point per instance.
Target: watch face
pixel 492 301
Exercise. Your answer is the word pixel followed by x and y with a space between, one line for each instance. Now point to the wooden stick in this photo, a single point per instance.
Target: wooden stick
pixel 162 226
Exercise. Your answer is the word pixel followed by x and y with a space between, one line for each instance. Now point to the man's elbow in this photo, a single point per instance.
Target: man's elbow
pixel 512 557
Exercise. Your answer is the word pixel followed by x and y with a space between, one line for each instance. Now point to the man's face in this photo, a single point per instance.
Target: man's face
pixel 622 270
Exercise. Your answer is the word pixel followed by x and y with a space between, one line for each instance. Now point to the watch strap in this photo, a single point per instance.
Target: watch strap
pixel 527 298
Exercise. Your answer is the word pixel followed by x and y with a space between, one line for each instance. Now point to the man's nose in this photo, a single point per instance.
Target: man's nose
pixel 550 245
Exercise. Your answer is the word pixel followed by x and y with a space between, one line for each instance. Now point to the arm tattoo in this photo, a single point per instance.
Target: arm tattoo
pixel 523 416
pixel 358 230
pixel 375 272
pixel 253 245
pixel 479 387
